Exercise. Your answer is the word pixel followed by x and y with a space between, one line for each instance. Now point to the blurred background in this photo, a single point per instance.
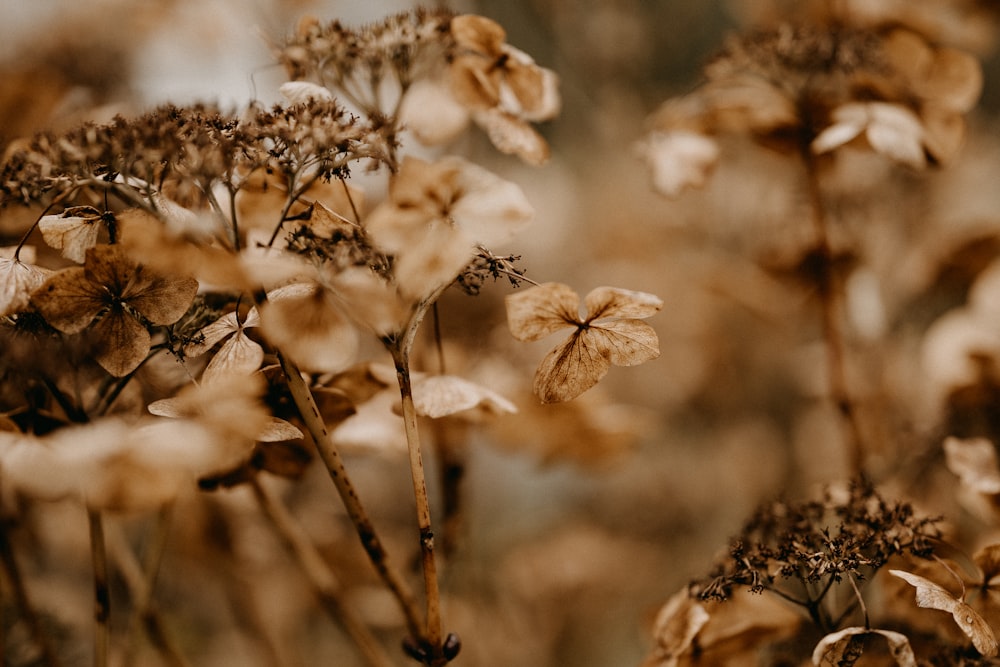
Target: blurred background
pixel 578 520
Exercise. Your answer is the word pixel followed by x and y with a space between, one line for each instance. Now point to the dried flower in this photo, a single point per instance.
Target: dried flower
pixel 610 333
pixel 436 215
pixel 116 299
pixel 819 541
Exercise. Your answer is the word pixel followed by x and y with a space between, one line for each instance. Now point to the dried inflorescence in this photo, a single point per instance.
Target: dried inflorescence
pixel 813 88
pixel 786 546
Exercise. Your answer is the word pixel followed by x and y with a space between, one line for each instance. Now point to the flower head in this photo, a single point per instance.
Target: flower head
pixel 436 215
pixel 610 333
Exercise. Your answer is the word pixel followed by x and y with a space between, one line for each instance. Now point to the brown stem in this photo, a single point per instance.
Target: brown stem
pixel 330 455
pixel 102 593
pixel 830 290
pixel 401 360
pixel 322 578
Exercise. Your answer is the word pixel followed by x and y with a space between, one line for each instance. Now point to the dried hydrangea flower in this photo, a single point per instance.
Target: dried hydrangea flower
pixel 436 215
pixel 813 85
pixel 610 333
pixel 115 299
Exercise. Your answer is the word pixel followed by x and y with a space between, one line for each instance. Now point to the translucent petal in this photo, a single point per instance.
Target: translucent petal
pixel 537 312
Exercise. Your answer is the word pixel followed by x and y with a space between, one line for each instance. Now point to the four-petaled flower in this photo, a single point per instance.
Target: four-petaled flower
pixel 610 333
pixel 117 299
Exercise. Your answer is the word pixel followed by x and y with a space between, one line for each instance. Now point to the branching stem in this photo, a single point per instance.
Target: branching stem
pixel 330 455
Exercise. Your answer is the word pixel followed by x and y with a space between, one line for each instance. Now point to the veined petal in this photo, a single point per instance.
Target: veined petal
pixel 239 355
pixel 160 299
pixel 573 367
pixel 68 300
pixel 604 302
pixel 122 342
pixel 539 311
pixel 624 342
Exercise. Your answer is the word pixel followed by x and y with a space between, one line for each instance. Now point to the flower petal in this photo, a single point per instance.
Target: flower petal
pixel 573 367
pixel 624 342
pixel 68 300
pixel 604 302
pixel 122 342
pixel 72 235
pixel 537 312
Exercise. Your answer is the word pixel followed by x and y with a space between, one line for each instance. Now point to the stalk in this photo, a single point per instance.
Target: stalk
pixel 102 593
pixel 330 455
pixel 830 290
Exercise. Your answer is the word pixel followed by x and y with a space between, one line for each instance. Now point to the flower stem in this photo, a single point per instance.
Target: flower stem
pixel 830 292
pixel 321 577
pixel 401 360
pixel 334 463
pixel 102 593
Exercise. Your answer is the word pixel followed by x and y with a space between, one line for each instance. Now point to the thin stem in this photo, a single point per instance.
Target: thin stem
pixel 330 455
pixel 829 292
pixel 861 600
pixel 401 360
pixel 322 578
pixel 102 594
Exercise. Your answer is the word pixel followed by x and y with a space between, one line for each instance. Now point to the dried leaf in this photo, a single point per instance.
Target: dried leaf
pixel 843 648
pixel 932 596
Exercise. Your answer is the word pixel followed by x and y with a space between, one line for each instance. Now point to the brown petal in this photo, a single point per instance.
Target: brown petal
pixel 573 367
pixel 478 33
pixel 614 302
pixel 988 560
pixel 513 136
pixel 160 299
pixel 625 342
pixel 844 647
pixel 73 235
pixel 932 596
pixel 122 342
pixel 68 300
pixel 537 312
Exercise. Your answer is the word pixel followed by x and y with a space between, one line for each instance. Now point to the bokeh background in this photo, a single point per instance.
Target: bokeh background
pixel 578 520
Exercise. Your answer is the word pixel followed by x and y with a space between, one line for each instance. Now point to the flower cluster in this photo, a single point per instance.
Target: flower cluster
pixel 814 88
pixel 793 547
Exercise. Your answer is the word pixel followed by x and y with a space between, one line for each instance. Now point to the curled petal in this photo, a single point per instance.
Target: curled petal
pixel 442 395
pixel 605 302
pixel 842 648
